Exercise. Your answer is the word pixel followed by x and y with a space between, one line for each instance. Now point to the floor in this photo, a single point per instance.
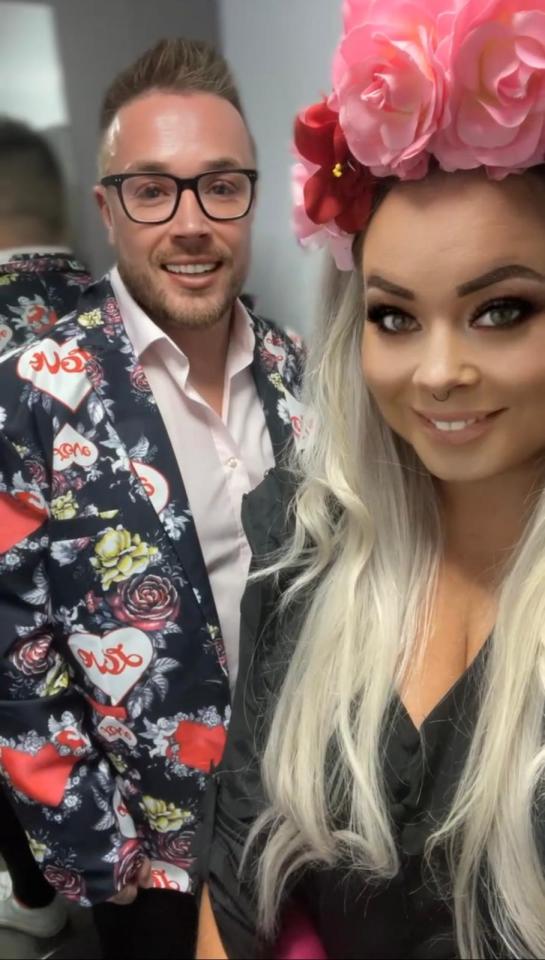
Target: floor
pixel 77 942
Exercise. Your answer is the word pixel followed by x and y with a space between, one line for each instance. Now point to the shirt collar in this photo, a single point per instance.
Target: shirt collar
pixel 143 332
pixel 13 252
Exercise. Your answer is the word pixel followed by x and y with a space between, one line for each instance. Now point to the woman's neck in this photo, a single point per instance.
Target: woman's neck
pixel 483 522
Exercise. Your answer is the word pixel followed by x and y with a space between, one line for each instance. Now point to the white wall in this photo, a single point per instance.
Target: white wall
pixel 280 51
pixel 31 82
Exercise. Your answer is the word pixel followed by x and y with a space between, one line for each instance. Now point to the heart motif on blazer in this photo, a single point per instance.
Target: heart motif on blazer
pixel 154 484
pixel 200 746
pixel 115 661
pixel 42 776
pixel 20 517
pixel 165 876
pixel 58 369
pixel 71 447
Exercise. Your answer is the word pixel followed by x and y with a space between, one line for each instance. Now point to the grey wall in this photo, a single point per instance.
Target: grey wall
pixel 281 54
pixel 97 39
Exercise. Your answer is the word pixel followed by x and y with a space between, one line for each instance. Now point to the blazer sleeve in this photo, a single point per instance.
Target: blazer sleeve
pixel 61 785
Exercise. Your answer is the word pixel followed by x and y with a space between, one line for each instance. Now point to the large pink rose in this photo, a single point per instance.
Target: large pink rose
pixel 389 82
pixel 496 79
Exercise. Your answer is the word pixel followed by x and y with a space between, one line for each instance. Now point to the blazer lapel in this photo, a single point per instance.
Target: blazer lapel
pixel 278 374
pixel 134 417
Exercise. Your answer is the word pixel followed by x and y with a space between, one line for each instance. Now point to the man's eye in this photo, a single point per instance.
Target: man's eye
pixel 151 192
pixel 221 188
pixel 390 320
pixel 502 313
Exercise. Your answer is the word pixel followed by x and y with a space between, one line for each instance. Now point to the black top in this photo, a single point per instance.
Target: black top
pixel 407 917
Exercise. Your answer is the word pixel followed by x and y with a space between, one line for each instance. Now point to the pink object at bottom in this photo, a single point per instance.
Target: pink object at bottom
pixel 298 939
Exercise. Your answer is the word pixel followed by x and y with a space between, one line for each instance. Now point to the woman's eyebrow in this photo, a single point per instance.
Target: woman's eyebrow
pixel 508 272
pixel 375 280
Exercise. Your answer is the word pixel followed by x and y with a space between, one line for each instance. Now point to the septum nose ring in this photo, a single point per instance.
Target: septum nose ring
pixel 441 399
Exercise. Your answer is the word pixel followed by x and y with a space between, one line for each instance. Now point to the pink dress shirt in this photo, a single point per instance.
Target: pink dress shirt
pixel 220 458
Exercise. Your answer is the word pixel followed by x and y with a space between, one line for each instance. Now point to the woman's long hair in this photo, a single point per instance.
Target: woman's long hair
pixel 368 539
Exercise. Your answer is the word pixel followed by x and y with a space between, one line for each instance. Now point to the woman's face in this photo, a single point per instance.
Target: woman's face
pixel 453 347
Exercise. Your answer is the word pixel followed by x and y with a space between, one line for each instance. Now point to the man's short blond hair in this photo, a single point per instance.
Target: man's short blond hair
pixel 180 66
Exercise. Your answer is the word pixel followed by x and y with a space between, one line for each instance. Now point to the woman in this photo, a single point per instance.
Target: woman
pixel 385 766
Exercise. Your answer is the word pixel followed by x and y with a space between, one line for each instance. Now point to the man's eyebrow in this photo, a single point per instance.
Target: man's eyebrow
pixel 509 272
pixel 375 280
pixel 157 166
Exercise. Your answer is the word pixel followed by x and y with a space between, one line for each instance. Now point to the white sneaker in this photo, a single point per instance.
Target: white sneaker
pixel 36 921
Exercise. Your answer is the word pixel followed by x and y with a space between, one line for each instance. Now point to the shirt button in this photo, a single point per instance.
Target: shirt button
pixel 232 462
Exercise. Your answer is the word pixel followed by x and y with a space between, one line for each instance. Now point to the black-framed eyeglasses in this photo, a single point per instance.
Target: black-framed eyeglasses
pixel 154 197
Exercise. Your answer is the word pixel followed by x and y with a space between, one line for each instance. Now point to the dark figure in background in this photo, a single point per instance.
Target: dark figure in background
pixel 40 280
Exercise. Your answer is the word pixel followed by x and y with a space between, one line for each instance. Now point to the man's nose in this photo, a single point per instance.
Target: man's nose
pixel 189 219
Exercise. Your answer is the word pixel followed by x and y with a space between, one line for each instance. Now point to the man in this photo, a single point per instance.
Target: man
pixel 40 279
pixel 130 434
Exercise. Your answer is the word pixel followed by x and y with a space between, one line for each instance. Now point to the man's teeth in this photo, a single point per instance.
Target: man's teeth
pixel 453 424
pixel 190 268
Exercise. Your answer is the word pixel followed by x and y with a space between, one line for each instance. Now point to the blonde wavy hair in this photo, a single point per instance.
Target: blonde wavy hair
pixel 368 535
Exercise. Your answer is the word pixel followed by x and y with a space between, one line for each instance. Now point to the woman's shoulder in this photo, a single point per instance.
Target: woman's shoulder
pixel 265 512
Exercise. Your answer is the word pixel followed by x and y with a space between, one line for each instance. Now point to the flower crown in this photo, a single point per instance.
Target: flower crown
pixel 461 81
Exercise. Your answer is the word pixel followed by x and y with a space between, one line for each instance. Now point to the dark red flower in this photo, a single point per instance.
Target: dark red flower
pixel 147 602
pixel 139 379
pixel 342 189
pixel 34 656
pixel 174 848
pixel 130 859
pixel 94 371
pixel 66 882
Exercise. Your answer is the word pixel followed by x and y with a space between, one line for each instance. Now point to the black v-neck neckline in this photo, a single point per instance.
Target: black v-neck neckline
pixel 449 694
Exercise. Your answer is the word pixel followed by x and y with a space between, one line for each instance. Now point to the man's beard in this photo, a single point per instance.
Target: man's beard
pixel 204 312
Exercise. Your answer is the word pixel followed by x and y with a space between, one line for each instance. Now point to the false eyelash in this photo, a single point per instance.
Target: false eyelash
pixel 377 313
pixel 525 306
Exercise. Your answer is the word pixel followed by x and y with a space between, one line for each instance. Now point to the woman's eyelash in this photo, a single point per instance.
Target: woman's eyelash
pixel 378 313
pixel 523 306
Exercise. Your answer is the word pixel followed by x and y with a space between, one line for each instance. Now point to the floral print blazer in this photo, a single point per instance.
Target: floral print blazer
pixel 36 290
pixel 114 698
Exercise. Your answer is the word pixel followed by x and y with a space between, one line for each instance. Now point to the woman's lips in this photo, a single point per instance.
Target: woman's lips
pixel 458 427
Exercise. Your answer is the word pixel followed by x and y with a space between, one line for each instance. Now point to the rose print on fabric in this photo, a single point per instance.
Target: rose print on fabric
pixel 68 883
pixel 119 554
pixel 148 602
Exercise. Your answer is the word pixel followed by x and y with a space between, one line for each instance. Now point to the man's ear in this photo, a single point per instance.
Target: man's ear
pixel 105 212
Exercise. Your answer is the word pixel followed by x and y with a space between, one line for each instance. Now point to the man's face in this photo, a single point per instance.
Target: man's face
pixel 184 135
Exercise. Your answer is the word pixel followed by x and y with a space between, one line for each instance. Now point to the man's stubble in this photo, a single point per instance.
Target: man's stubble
pixel 201 312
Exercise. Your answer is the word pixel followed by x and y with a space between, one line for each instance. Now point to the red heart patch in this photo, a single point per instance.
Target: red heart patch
pixel 200 746
pixel 42 776
pixel 107 710
pixel 19 518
